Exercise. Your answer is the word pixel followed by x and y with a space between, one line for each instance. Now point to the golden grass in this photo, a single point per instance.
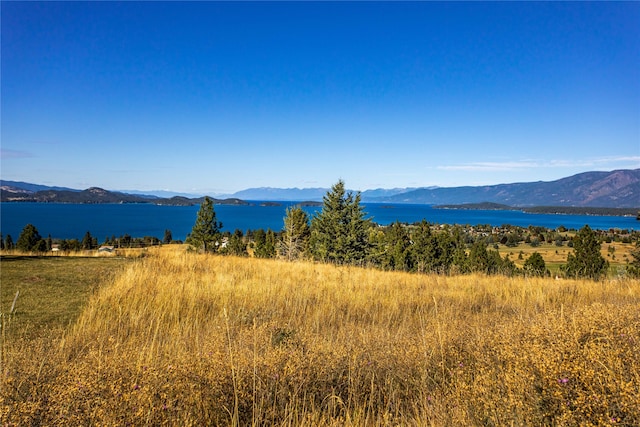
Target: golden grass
pixel 618 257
pixel 186 339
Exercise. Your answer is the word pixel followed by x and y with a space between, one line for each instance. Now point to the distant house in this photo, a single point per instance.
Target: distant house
pixel 55 247
pixel 107 249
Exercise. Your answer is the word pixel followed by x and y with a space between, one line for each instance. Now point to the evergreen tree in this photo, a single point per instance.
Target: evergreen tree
pixel 1 242
pixel 495 264
pixel 29 239
pixel 125 241
pixel 49 242
pixel 479 257
pixel 205 233
pixel 633 267
pixel 264 244
pixel 339 232
pixel 446 247
pixel 295 234
pixel 397 255
pixel 168 237
pixel 236 245
pixel 73 245
pixel 377 246
pixel 460 260
pixel 586 260
pixel 535 266
pixel 271 241
pixel 507 267
pixel 8 242
pixel 432 252
pixel 423 249
pixel 87 241
pixel 41 246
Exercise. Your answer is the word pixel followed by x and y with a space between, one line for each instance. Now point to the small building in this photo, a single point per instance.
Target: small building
pixel 107 249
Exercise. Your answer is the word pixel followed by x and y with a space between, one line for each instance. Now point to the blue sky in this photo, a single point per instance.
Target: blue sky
pixel 209 97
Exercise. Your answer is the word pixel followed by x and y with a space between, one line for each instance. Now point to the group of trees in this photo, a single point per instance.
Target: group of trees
pixel 341 234
pixel 30 240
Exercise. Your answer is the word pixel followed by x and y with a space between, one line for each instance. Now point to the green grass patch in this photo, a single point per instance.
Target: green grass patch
pixel 53 290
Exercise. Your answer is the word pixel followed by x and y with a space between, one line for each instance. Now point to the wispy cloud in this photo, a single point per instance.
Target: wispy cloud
pixel 613 161
pixel 491 166
pixel 600 162
pixel 14 154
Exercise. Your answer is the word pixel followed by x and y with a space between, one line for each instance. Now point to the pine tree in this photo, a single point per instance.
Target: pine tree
pixel 507 267
pixel 535 266
pixel 168 237
pixel 295 234
pixel 633 267
pixel 264 244
pixel 586 260
pixel 432 252
pixel 87 241
pixel 459 258
pixel 29 239
pixel 424 248
pixel 479 260
pixel 339 232
pixel 397 254
pixel 236 245
pixel 8 242
pixel 205 233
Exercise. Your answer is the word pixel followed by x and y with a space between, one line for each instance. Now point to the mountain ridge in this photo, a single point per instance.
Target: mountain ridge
pixel 618 188
pixel 96 195
pixel 614 189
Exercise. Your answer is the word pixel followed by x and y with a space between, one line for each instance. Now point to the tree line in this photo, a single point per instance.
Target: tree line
pixel 30 240
pixel 342 234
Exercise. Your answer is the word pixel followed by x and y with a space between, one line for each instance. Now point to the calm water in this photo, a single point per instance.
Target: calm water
pixel 69 221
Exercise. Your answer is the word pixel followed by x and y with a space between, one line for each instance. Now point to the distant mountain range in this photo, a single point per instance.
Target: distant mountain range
pixel 308 194
pixel 12 191
pixel 615 189
pixel 619 188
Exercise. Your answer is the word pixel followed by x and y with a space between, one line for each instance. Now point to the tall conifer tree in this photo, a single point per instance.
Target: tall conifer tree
pixel 339 232
pixel 206 230
pixel 295 234
pixel 29 239
pixel 586 260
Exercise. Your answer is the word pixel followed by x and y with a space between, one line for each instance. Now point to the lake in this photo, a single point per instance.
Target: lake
pixel 67 221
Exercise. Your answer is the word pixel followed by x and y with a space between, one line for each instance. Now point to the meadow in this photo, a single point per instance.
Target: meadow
pixel 178 338
pixel 617 254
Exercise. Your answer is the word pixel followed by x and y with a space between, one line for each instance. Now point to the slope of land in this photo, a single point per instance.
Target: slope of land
pixel 185 339
pixel 619 188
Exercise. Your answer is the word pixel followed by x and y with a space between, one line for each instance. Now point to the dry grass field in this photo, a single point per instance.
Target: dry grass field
pixel 616 253
pixel 176 338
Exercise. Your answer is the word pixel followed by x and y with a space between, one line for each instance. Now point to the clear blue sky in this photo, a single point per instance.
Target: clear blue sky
pixel 210 97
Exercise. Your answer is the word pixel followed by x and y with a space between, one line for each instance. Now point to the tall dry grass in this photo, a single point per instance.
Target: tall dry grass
pixel 185 339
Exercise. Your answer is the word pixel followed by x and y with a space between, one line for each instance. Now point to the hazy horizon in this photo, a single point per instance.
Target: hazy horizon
pixel 169 193
pixel 214 98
